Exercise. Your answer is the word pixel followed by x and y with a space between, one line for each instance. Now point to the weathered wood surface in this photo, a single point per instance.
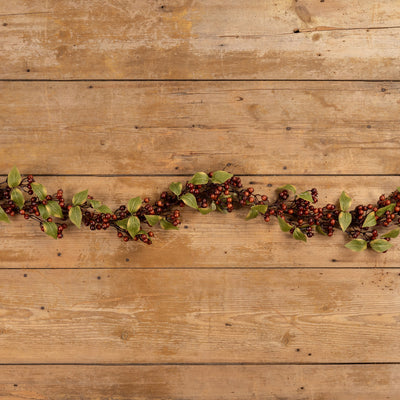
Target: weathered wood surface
pixel 205 382
pixel 214 240
pixel 199 316
pixel 174 127
pixel 184 39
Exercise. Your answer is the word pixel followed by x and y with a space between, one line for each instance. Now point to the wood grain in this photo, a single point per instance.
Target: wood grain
pixel 184 39
pixel 205 382
pixel 215 240
pixel 199 316
pixel 174 127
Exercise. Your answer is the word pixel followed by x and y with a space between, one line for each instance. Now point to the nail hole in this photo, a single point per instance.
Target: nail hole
pixel 297 350
pixel 288 128
pixel 99 277
pixel 369 126
pixel 25 275
pixel 383 90
pixel 28 70
pixel 5 24
pixel 334 260
pixel 90 87
pixel 59 254
pixel 42 308
pixel 284 167
pixel 127 259
pixel 296 30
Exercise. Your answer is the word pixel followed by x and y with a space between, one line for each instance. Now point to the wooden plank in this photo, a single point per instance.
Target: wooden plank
pixel 120 39
pixel 199 316
pixel 205 382
pixel 173 127
pixel 215 240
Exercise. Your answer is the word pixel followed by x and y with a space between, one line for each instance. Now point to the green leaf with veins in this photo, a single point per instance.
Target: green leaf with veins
pixel 370 220
pixel 75 215
pixel 356 245
pixel 50 228
pixel 176 188
pixel 39 190
pixel 345 201
pixel 290 188
pixel 199 178
pixel 17 197
pixel 80 198
pixel 4 216
pixel 380 245
pixel 167 225
pixel 345 220
pixel 190 200
pixel 391 234
pixel 306 196
pixel 220 177
pixel 14 178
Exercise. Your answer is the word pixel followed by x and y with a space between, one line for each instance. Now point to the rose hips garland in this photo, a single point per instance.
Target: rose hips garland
pixel 216 191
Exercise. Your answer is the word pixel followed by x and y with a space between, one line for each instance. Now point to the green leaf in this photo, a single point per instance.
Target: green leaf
pixel 153 219
pixel 321 231
pixel 306 196
pixel 176 188
pixel 14 178
pixel 345 201
pixel 251 214
pixel 50 229
pixel 380 245
pixel 54 209
pixel 80 198
pixel 17 197
pixel 104 209
pixel 392 234
pixel 95 204
pixel 255 210
pixel 134 204
pixel 370 220
pixel 356 245
pixel 299 235
pixel 4 216
pixel 199 178
pixel 167 225
pixel 291 188
pixel 75 215
pixel 189 200
pixel 205 211
pixel 123 223
pixel 44 212
pixel 221 176
pixel 382 210
pixel 39 190
pixel 213 206
pixel 344 220
pixel 133 225
pixel 285 227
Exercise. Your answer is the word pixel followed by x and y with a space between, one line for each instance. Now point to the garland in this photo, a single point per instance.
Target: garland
pixel 220 191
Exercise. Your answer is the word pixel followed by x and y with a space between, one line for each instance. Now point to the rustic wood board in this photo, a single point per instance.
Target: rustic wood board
pixel 204 241
pixel 204 382
pixel 199 316
pixel 173 127
pixel 185 39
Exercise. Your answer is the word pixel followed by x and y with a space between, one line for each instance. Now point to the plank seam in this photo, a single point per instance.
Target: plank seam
pixel 200 80
pixel 203 364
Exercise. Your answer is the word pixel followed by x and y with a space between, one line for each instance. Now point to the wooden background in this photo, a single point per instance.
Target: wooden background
pixel 123 97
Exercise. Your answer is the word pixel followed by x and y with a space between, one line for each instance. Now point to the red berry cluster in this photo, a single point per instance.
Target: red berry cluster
pixel 220 191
